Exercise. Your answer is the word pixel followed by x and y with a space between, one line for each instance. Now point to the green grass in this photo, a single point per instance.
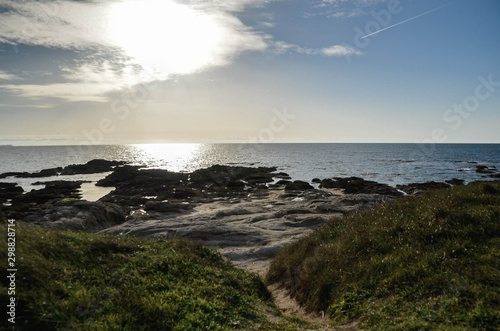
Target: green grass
pixel 426 262
pixel 79 281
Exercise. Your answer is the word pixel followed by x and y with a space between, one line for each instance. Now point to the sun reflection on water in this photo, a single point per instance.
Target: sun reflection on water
pixel 173 157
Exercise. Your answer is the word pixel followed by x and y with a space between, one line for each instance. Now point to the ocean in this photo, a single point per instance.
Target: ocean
pixel 385 163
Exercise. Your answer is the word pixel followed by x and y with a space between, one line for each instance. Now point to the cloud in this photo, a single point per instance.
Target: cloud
pixel 122 43
pixel 339 50
pixel 7 76
pixel 344 8
pixel 227 5
pixel 4 105
pixel 281 47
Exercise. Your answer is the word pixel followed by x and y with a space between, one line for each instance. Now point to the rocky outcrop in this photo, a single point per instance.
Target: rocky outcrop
pixel 53 191
pixel 247 214
pixel 455 181
pixel 416 188
pixel 8 191
pixel 77 215
pixel 356 185
pixel 247 231
pixel 481 169
pixel 298 185
pixel 91 167
pixel 135 186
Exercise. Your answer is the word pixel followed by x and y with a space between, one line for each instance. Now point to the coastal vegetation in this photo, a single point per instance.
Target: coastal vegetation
pixel 425 262
pixel 80 281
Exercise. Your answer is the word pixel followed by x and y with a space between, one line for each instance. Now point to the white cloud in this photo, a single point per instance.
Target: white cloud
pixel 345 8
pixel 227 5
pixel 281 47
pixel 7 76
pixel 339 50
pixel 137 41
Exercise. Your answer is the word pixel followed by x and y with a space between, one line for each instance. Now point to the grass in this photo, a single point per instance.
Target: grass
pixel 426 262
pixel 79 281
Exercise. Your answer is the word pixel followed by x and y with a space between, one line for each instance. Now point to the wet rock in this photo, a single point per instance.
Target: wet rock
pixel 221 175
pixel 455 182
pixel 281 183
pixel 11 174
pixel 356 185
pixel 133 186
pixel 53 191
pixel 203 185
pixel 298 185
pixel 316 180
pixel 8 191
pixel 481 169
pixel 416 188
pixel 282 175
pixel 91 167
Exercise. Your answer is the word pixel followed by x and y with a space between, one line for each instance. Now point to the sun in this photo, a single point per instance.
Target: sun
pixel 163 36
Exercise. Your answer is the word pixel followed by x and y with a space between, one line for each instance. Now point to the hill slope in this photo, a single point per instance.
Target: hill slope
pixel 73 281
pixel 431 261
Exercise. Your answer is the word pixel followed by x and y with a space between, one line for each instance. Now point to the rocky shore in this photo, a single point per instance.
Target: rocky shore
pixel 247 214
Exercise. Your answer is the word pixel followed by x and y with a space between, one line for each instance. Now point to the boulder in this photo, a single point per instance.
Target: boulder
pixel 53 191
pixel 79 215
pixel 481 169
pixel 298 185
pixel 356 185
pixel 8 191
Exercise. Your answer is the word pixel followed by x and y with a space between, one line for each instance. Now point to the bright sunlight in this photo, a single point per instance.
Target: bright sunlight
pixel 165 37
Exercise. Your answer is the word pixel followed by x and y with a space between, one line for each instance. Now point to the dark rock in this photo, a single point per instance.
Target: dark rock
pixel 131 182
pixel 282 175
pixel 485 169
pixel 221 175
pixel 9 191
pixel 356 185
pixel 236 184
pixel 166 207
pixel 53 191
pixel 12 174
pixel 415 188
pixel 282 182
pixel 316 180
pixel 495 175
pixel 91 167
pixel 79 215
pixel 455 181
pixel 298 185
pixel 132 185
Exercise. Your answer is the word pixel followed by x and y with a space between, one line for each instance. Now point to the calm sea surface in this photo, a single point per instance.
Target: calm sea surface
pixel 387 163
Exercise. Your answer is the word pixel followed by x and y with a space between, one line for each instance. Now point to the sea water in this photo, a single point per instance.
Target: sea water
pixel 386 163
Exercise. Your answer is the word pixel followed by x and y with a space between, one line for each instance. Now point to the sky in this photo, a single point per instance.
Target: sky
pixel 158 71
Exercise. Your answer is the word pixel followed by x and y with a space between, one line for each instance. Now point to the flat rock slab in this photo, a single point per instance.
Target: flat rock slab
pixel 248 232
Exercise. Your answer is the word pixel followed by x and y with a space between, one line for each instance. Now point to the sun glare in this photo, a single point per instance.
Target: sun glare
pixel 163 36
pixel 174 157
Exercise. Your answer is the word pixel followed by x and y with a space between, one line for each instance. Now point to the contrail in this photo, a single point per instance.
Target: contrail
pixel 410 19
